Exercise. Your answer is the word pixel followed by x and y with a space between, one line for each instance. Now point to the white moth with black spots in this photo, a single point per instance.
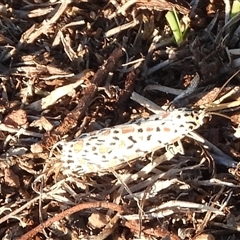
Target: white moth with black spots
pixel 99 151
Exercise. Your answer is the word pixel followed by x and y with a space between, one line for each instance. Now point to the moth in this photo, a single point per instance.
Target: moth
pixel 108 148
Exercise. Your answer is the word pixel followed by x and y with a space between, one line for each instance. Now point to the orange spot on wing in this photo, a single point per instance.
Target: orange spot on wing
pixel 112 163
pixel 132 157
pixel 78 146
pixel 121 144
pixel 166 129
pixel 127 130
pixel 106 132
pixel 92 168
pixel 81 161
pixel 149 129
pixel 164 115
pixel 103 149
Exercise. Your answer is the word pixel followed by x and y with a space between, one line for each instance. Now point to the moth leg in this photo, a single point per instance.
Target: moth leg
pixel 175 148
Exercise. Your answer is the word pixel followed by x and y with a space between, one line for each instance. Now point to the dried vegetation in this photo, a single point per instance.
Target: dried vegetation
pixel 71 66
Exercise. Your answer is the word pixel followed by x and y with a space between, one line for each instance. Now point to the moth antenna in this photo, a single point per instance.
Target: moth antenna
pixel 224 85
pixel 220 114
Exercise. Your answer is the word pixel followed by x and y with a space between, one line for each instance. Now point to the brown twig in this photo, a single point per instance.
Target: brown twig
pixel 79 207
pixel 162 5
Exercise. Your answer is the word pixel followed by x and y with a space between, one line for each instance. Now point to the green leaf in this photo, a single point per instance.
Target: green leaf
pixel 174 23
pixel 235 8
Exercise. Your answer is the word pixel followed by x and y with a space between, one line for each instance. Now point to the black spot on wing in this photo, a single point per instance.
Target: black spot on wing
pixel 132 140
pixel 149 137
pixel 69 161
pixel 191 127
pixel 129 147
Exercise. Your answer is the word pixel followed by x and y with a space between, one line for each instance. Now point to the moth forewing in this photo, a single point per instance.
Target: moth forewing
pixel 111 147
